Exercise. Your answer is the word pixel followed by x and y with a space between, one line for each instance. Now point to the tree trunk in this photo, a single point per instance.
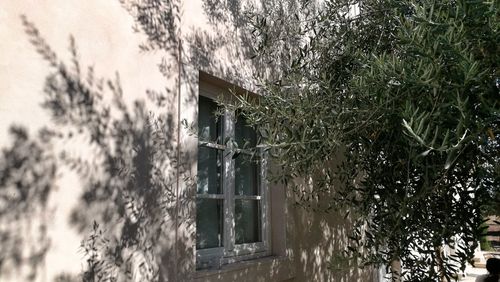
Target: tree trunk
pixel 440 263
pixel 396 270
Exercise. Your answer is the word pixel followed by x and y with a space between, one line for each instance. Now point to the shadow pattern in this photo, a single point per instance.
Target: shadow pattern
pixel 125 156
pixel 27 176
pixel 125 159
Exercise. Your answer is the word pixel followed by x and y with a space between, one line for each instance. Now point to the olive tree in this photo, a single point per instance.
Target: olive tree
pixel 406 94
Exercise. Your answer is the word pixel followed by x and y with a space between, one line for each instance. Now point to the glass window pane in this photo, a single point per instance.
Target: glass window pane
pixel 246 175
pixel 209 171
pixel 209 126
pixel 209 223
pixel 247 215
pixel 245 136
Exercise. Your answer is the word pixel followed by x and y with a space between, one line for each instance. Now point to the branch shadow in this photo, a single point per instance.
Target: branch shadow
pixel 27 175
pixel 125 156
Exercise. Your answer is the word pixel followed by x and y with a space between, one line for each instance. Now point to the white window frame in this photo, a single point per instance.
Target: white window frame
pixel 231 252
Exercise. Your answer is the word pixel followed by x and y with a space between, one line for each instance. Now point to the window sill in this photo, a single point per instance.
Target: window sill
pixel 270 268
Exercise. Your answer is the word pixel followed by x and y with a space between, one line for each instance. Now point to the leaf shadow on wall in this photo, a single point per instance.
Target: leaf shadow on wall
pixel 125 157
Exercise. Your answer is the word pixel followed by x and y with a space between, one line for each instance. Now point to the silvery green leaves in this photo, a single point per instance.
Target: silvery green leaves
pixel 405 96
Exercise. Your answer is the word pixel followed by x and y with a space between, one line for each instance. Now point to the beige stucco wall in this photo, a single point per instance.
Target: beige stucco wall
pixel 103 31
pixel 201 38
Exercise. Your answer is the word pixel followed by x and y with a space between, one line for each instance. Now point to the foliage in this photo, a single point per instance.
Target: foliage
pixel 406 94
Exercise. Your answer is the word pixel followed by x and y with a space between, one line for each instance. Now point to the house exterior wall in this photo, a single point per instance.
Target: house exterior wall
pixel 166 57
pixel 493 230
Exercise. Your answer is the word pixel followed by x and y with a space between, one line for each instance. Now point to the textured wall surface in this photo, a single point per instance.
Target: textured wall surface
pixel 110 101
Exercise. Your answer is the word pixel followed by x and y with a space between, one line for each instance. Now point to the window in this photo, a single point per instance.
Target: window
pixel 232 221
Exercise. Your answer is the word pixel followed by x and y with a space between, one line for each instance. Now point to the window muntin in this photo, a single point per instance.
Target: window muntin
pixel 230 180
